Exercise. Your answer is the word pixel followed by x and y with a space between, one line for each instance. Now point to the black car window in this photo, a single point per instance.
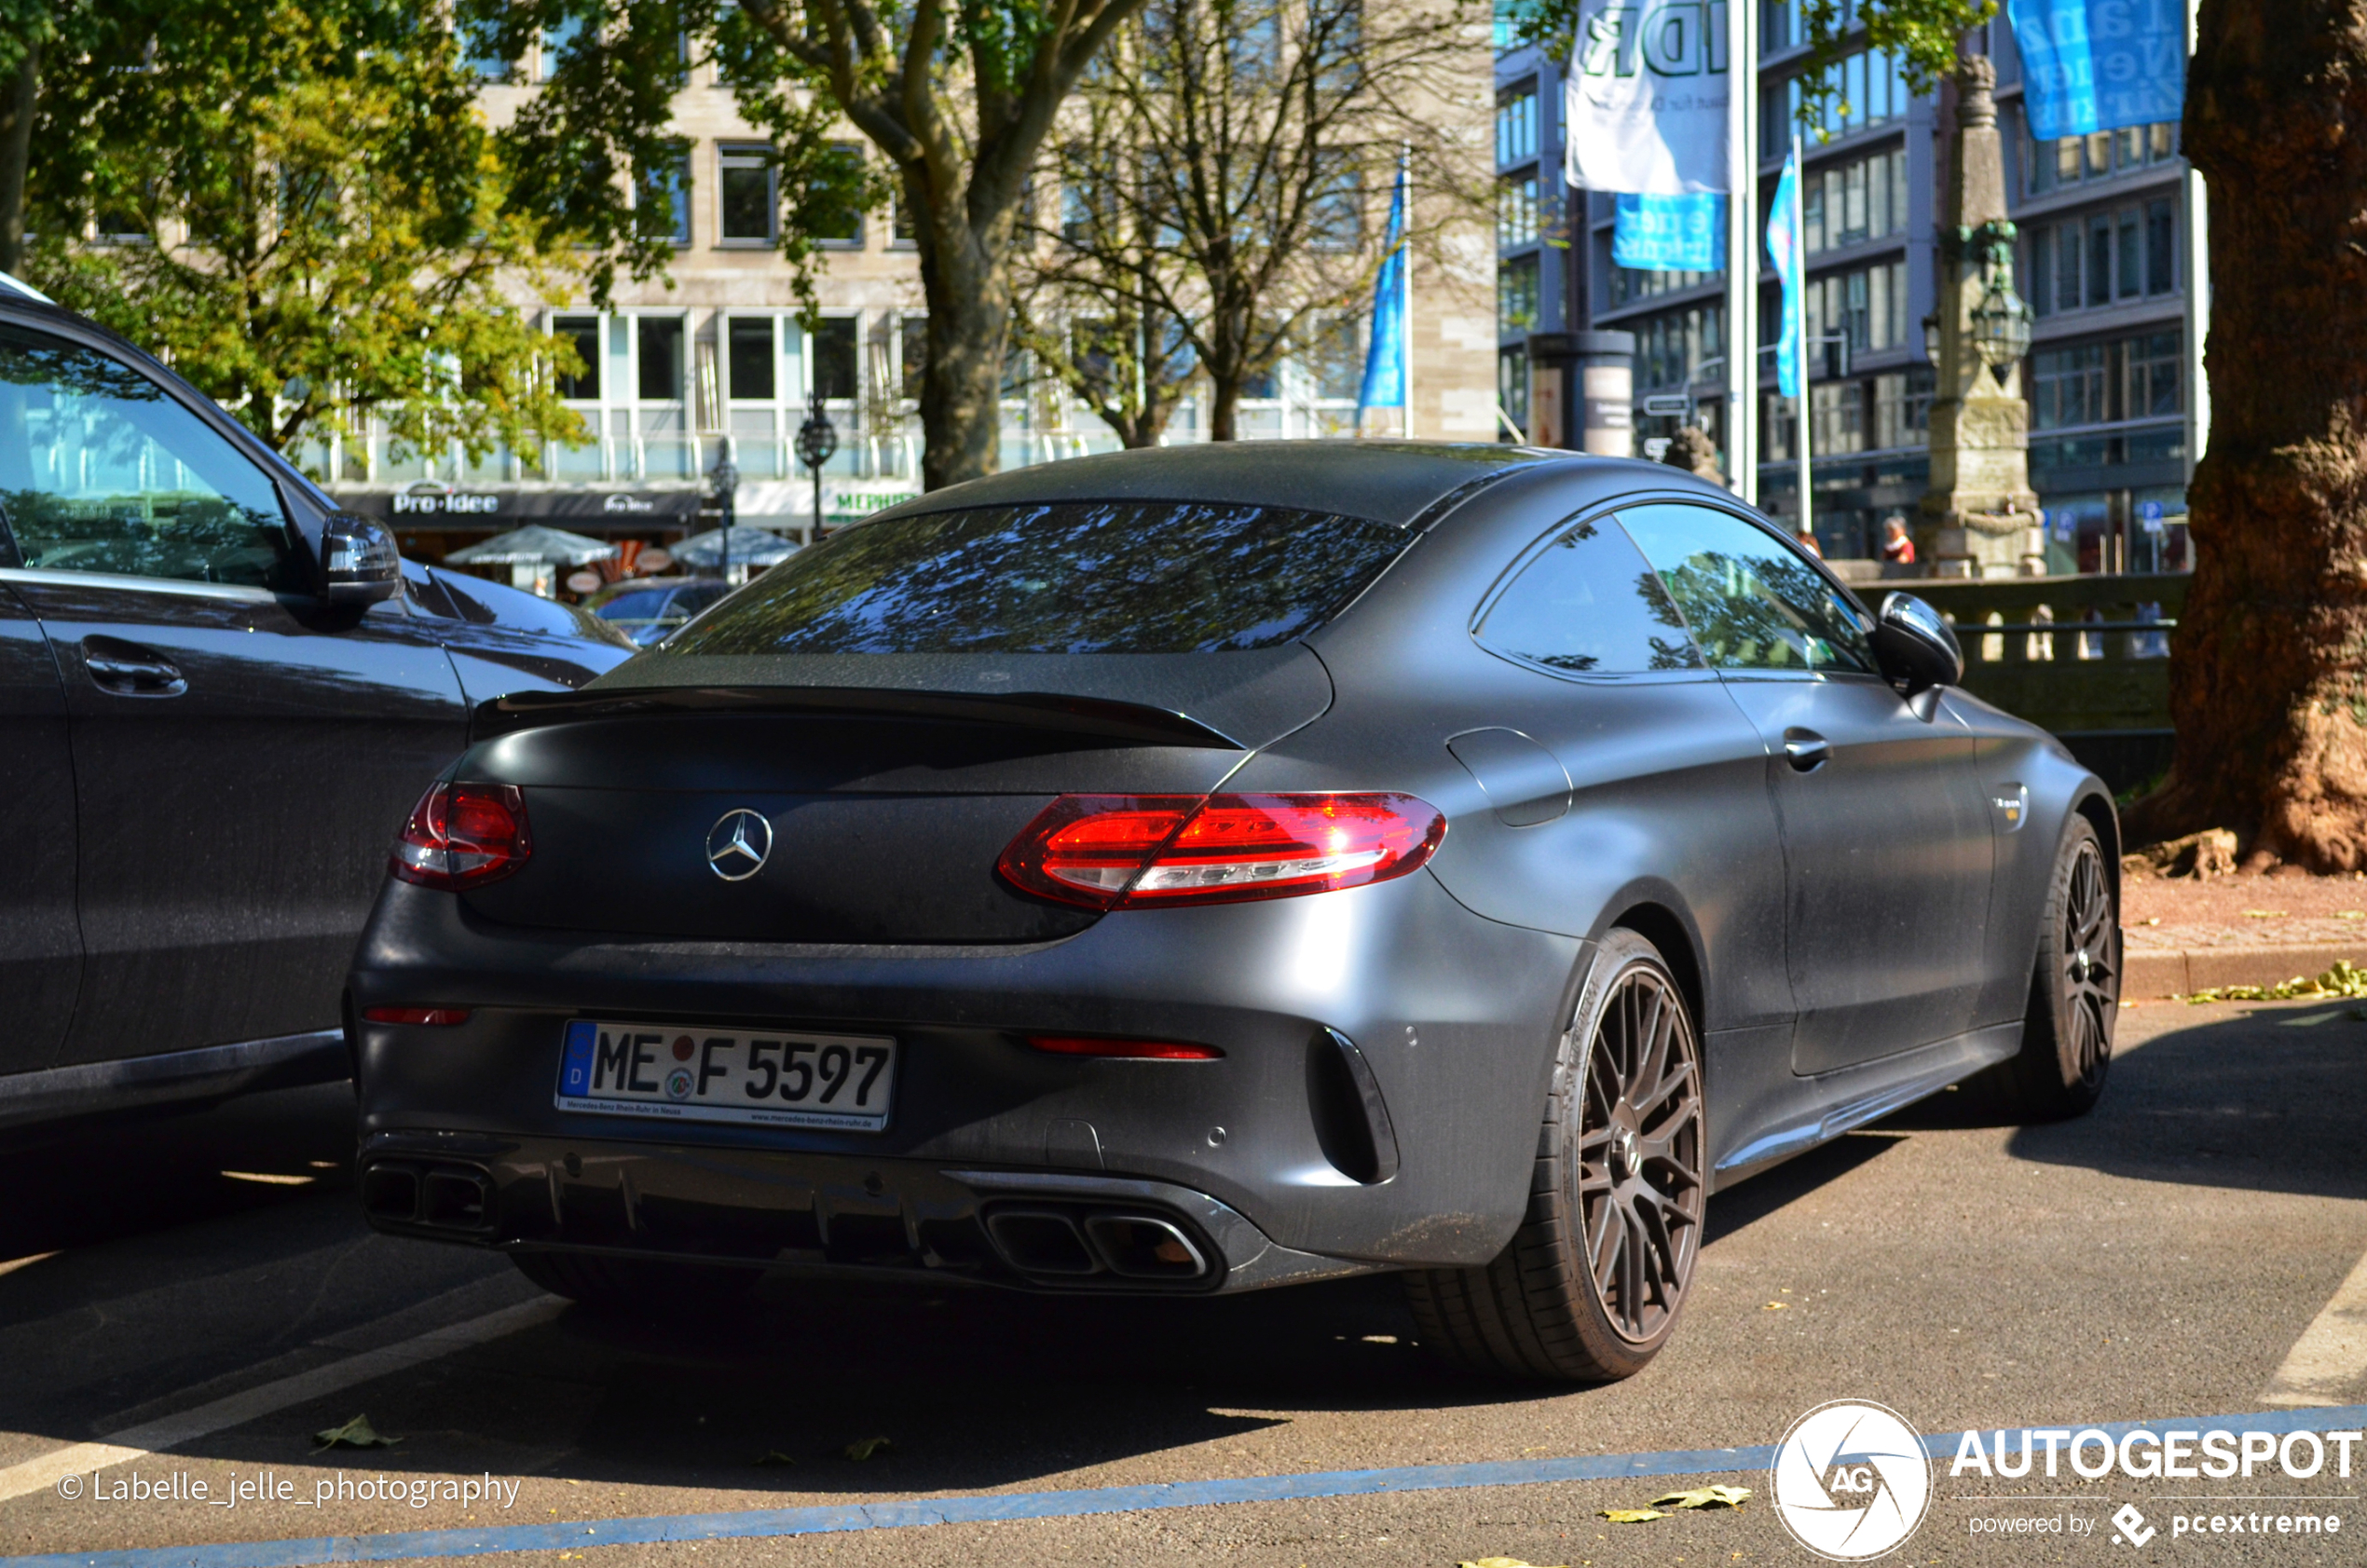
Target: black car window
pixel 1590 604
pixel 647 604
pixel 1753 603
pixel 102 470
pixel 1098 576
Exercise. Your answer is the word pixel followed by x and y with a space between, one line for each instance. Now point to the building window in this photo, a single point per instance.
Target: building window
pixel 912 353
pixel 1516 296
pixel 1868 91
pixel 834 359
pixel 558 42
pixel 661 199
pixel 1868 305
pixel 1517 210
pixel 829 217
pixel 2067 387
pixel 2051 166
pixel 1630 284
pixel 1669 347
pixel 1516 124
pixel 1903 407
pixel 904 228
pixel 1511 387
pixel 744 193
pixel 1337 219
pixel 480 55
pixel 1840 409
pixel 2104 258
pixel 583 333
pixel 1851 203
pixel 750 362
pixel 661 354
pixel 2155 366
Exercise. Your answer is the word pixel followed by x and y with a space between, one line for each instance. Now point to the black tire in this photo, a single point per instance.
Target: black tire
pixel 637 1286
pixel 2074 992
pixel 1593 1283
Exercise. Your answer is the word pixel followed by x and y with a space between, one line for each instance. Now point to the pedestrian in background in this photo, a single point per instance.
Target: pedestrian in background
pixel 1898 548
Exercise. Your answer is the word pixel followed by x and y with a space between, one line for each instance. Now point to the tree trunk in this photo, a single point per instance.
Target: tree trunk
pixel 2268 666
pixel 16 154
pixel 967 280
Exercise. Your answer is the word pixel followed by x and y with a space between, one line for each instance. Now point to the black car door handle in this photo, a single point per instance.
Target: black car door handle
pixel 128 670
pixel 1806 750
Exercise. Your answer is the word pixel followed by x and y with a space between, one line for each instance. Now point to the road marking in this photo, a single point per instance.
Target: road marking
pixel 236 1410
pixel 2331 1356
pixel 1002 1506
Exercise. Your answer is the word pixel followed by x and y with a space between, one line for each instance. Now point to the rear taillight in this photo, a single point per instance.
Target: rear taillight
pixel 439 1018
pixel 1138 1050
pixel 1109 852
pixel 463 835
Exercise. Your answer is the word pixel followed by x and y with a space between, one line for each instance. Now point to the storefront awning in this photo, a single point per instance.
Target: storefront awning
pixel 607 508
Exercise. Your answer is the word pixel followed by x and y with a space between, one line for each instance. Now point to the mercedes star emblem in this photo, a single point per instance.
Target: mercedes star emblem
pixel 737 845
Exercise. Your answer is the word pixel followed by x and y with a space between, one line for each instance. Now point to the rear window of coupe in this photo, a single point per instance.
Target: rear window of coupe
pixel 1101 576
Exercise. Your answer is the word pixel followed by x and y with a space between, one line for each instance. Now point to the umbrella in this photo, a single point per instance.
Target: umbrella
pixel 534 545
pixel 750 547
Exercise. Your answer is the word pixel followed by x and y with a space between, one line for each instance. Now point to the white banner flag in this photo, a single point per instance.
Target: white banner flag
pixel 1648 97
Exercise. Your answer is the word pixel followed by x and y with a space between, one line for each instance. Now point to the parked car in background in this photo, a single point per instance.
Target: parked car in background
pixel 1206 868
pixel 647 609
pixel 218 696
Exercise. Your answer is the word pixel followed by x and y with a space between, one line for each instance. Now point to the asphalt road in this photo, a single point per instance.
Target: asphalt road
pixel 2157 1261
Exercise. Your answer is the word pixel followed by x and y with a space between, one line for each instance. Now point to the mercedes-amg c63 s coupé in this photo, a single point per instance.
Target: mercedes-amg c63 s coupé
pixel 1204 870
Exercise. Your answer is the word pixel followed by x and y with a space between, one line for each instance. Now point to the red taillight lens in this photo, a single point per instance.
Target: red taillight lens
pixel 1108 851
pixel 433 1015
pixel 463 835
pixel 1143 1050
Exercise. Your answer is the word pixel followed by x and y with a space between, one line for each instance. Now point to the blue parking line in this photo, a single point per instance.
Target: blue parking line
pixel 765 1524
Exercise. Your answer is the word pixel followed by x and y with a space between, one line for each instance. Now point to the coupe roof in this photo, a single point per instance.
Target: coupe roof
pixel 1382 481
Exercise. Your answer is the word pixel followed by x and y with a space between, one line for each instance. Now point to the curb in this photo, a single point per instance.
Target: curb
pixel 2180 972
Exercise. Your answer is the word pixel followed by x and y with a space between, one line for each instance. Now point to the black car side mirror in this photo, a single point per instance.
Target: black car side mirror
pixel 360 564
pixel 1916 650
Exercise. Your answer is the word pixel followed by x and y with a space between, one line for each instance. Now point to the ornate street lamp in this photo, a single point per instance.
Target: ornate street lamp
pixel 726 477
pixel 2000 321
pixel 816 439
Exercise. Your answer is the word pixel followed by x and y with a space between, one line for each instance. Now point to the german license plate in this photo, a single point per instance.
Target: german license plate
pixel 771 1077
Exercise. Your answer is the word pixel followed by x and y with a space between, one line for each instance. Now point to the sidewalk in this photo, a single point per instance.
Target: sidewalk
pixel 2185 935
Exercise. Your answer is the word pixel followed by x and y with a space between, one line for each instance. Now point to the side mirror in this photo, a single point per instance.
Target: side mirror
pixel 360 564
pixel 1916 648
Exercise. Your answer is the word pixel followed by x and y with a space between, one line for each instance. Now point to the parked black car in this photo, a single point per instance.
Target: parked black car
pixel 1208 868
pixel 650 609
pixel 218 695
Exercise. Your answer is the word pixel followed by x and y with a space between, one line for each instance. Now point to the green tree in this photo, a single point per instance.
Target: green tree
pixel 300 209
pixel 958 97
pixel 35 37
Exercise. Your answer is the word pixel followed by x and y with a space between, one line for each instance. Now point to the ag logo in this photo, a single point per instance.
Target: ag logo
pixel 1851 1480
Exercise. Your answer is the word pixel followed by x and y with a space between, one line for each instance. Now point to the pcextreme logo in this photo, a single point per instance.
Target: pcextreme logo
pixel 1851 1480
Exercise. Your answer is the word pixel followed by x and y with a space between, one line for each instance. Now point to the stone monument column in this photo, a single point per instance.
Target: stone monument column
pixel 1980 518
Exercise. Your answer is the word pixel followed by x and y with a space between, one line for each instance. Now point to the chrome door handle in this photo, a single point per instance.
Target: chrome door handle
pixel 1806 750
pixel 129 671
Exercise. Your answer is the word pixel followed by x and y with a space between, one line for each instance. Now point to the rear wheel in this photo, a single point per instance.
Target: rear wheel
pixel 636 1286
pixel 2074 992
pixel 1591 1284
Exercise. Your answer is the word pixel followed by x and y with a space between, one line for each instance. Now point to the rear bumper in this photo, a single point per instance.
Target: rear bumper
pixel 825 1214
pixel 1453 1019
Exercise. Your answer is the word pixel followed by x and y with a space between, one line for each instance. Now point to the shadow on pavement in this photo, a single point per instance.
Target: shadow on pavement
pixel 2272 1102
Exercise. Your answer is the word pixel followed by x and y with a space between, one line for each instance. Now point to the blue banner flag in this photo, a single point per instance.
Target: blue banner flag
pixel 1670 233
pixel 1384 385
pixel 1783 250
pixel 2092 65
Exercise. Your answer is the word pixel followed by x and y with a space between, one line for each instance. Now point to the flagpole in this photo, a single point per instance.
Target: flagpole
pixel 1806 419
pixel 1742 254
pixel 1406 280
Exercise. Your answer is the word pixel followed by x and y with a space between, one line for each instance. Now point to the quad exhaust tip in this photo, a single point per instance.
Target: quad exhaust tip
pixel 1059 1244
pixel 441 1197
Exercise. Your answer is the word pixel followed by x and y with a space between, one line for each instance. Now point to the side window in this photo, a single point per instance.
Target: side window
pixel 102 471
pixel 1752 602
pixel 1590 604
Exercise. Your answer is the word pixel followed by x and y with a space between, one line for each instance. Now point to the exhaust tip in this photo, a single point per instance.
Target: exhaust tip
pixel 390 1192
pixel 1142 1247
pixel 1040 1241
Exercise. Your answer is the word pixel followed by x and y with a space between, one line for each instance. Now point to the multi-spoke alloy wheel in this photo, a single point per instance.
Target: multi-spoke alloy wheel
pixel 2074 991
pixel 1639 1147
pixel 1591 1285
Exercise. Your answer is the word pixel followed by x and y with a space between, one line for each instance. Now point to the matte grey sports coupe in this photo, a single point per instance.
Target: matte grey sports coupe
pixel 1203 869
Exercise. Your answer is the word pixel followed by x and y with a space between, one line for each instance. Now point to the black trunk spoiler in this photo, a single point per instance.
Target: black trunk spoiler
pixel 1134 723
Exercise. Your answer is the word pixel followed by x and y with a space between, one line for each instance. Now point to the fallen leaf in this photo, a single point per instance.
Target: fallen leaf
pixel 1776 1306
pixel 2156 920
pixel 1705 1497
pixel 863 1448
pixel 1494 1563
pixel 356 1433
pixel 774 1456
pixel 2263 914
pixel 1630 1516
pixel 2350 914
